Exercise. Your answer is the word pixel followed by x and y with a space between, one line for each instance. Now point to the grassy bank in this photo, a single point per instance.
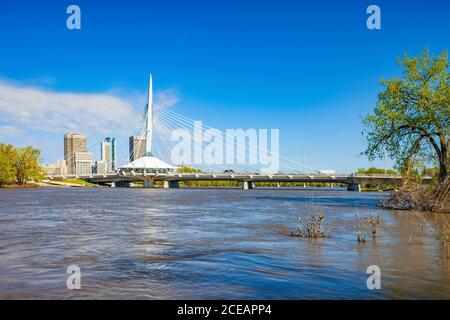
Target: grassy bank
pixel 78 182
pixel 19 186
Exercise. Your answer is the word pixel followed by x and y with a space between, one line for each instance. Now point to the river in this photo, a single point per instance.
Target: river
pixel 210 244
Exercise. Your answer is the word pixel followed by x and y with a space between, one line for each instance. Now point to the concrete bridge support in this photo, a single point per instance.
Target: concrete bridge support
pixel 171 184
pixel 148 183
pixel 354 187
pixel 120 184
pixel 248 185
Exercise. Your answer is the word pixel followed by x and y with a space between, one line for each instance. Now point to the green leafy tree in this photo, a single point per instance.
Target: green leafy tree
pixel 429 171
pixel 27 165
pixel 186 169
pixel 8 156
pixel 374 170
pixel 412 115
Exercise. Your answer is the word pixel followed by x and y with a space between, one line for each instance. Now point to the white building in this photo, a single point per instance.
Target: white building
pixel 57 169
pixel 101 167
pixel 83 163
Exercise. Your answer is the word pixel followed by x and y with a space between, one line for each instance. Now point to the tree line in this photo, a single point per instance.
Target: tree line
pixel 19 165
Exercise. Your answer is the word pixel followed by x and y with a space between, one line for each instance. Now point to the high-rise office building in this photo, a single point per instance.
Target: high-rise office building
pixel 78 159
pixel 108 153
pixel 112 165
pixel 137 147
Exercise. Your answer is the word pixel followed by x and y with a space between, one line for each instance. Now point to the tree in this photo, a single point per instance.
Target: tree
pixel 374 170
pixel 186 169
pixel 412 115
pixel 27 165
pixel 8 156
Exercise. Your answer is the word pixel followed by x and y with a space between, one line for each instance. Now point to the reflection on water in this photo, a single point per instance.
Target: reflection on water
pixel 206 244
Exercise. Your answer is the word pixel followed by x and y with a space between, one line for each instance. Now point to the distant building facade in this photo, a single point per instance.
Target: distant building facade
pixel 76 155
pixel 108 153
pixel 57 169
pixel 137 147
pixel 83 163
pixel 101 167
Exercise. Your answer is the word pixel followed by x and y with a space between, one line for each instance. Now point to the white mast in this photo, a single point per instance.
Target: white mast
pixel 149 119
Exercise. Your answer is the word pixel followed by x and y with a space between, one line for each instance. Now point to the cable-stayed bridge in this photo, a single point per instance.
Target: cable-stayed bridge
pixel 158 125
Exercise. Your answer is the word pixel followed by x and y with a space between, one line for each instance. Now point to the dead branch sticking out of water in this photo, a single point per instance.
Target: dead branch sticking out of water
pixel 446 239
pixel 374 223
pixel 311 226
pixel 443 235
pixel 440 230
pixel 360 228
pixel 441 199
pixel 421 222
pixel 371 223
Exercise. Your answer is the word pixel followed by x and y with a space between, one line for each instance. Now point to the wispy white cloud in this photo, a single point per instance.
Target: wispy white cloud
pixel 167 98
pixel 61 112
pixel 10 131
pixel 31 111
pixel 36 108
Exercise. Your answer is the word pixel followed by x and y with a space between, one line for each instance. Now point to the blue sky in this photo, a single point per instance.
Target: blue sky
pixel 311 69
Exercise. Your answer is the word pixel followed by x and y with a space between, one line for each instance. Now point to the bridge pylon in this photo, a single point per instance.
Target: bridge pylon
pixel 247 185
pixel 148 183
pixel 171 184
pixel 354 187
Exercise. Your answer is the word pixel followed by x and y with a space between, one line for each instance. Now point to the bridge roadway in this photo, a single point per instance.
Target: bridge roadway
pixel 171 180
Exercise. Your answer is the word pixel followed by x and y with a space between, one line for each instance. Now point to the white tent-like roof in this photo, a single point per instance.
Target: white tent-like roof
pixel 149 163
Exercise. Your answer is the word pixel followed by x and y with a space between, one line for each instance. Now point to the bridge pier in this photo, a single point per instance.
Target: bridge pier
pixel 171 184
pixel 354 187
pixel 247 185
pixel 120 184
pixel 148 183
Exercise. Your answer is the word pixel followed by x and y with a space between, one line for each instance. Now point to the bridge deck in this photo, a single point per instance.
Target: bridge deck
pixel 343 178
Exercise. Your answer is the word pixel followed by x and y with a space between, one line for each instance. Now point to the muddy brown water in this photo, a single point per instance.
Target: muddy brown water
pixel 210 244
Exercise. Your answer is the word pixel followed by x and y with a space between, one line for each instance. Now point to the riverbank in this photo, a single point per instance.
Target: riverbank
pixel 20 186
pixel 48 183
pixel 435 198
